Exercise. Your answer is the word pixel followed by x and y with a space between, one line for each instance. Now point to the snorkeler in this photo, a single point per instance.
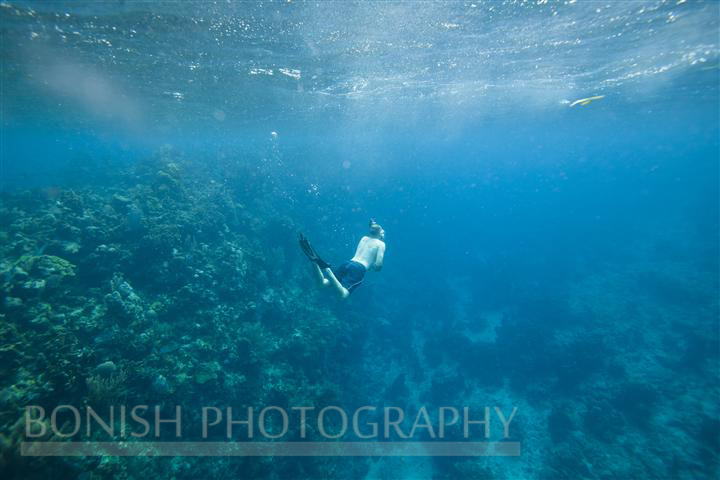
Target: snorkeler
pixel 348 276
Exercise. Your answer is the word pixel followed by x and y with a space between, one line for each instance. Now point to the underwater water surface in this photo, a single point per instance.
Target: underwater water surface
pixel 546 173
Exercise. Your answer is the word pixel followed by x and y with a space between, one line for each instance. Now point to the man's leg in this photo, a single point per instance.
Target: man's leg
pixel 338 286
pixel 320 277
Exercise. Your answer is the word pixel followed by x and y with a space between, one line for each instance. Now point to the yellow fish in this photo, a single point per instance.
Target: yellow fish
pixel 586 101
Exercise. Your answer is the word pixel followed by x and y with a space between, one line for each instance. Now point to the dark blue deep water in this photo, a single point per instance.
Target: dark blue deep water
pixel 158 159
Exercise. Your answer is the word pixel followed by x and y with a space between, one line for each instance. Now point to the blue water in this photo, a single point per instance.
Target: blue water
pixel 562 259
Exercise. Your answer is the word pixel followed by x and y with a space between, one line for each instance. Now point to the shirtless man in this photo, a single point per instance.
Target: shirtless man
pixel 348 276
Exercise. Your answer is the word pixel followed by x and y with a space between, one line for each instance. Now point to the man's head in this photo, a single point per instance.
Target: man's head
pixel 376 231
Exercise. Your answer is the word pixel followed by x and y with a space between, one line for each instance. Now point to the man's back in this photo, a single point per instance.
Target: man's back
pixel 370 252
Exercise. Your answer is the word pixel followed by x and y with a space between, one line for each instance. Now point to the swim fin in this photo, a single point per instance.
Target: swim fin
pixel 305 245
pixel 310 252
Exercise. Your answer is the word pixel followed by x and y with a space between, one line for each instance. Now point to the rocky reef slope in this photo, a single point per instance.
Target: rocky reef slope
pixel 160 285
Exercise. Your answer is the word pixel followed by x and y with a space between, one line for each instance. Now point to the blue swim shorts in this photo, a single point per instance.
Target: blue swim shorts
pixel 350 274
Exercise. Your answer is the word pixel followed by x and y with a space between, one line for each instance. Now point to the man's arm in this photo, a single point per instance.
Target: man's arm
pixel 379 256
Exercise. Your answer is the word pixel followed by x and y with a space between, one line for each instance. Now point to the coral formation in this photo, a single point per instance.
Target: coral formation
pixel 151 289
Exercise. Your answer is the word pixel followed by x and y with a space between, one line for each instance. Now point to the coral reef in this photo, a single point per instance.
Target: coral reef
pixel 153 288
